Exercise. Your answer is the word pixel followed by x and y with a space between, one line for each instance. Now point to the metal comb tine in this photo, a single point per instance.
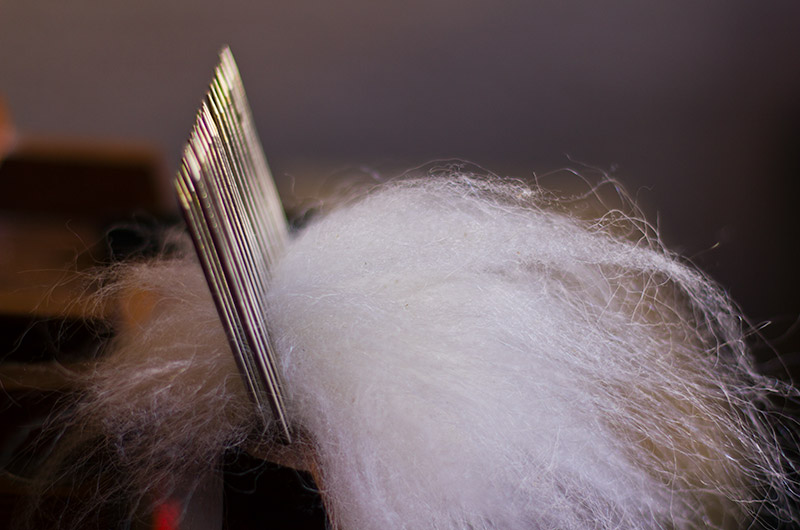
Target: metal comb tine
pixel 211 263
pixel 265 183
pixel 250 224
pixel 227 195
pixel 246 275
pixel 238 228
pixel 244 281
pixel 237 297
pixel 256 202
pixel 236 252
pixel 256 229
pixel 243 261
pixel 223 89
pixel 229 206
pixel 248 232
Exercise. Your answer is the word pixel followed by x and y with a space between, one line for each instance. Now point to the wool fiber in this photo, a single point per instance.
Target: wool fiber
pixel 463 353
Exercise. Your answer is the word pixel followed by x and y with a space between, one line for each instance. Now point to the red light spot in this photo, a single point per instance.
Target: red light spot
pixel 166 515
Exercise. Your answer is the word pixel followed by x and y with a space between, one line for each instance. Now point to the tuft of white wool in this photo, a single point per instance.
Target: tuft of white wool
pixel 464 354
pixel 168 397
pixel 465 359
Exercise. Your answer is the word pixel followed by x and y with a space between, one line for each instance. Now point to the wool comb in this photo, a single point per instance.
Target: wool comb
pixel 237 224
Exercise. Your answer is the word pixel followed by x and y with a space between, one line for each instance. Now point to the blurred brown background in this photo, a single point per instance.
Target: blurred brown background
pixel 694 106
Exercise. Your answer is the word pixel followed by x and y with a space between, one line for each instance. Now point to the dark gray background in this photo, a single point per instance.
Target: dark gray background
pixel 694 106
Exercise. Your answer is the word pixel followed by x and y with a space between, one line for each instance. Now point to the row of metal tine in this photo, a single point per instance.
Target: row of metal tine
pixel 238 227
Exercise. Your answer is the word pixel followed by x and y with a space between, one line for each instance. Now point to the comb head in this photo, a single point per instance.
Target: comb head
pixel 231 206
